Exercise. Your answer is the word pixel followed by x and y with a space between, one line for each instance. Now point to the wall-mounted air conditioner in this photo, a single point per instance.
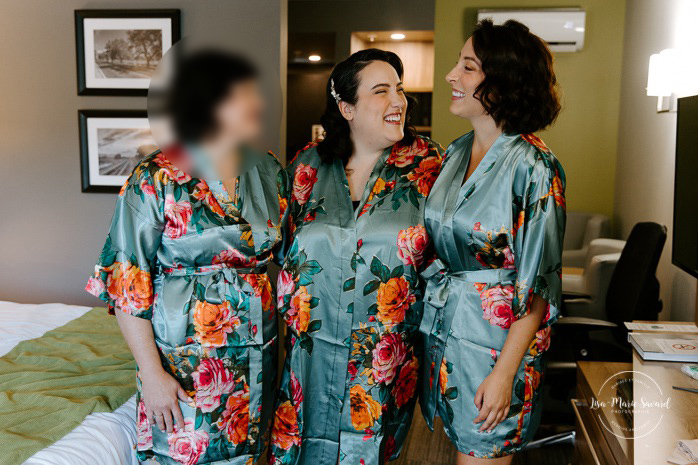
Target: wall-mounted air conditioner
pixel 561 28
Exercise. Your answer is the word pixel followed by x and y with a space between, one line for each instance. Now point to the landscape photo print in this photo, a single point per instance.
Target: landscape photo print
pixel 118 51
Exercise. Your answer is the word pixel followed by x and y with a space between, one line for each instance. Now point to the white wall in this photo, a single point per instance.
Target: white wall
pixel 644 187
pixel 50 232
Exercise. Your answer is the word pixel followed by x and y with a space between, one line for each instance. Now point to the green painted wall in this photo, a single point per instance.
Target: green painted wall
pixel 585 134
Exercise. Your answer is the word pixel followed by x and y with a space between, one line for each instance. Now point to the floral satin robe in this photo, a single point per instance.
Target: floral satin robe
pixel 350 294
pixel 498 239
pixel 184 254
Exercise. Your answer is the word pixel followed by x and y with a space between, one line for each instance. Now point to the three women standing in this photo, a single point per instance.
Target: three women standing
pixel 349 289
pixel 365 222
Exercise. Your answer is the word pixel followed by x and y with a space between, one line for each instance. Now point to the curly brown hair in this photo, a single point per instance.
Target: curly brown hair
pixel 520 88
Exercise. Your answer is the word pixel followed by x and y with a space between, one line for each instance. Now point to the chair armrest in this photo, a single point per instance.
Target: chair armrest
pixel 584 323
pixel 604 246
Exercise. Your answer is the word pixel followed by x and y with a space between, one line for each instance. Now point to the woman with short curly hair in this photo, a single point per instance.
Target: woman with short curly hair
pixel 496 216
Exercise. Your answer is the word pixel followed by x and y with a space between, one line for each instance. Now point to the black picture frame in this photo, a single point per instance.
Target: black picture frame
pixel 88 184
pixel 84 88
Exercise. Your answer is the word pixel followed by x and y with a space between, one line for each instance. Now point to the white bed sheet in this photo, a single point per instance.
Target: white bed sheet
pixel 102 438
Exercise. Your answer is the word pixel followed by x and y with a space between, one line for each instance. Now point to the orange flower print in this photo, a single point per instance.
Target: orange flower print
pixel 535 141
pixel 236 417
pixel 425 174
pixel 213 323
pixel 378 188
pixel 411 243
pixel 303 183
pixel 443 376
pixel 406 384
pixel 394 299
pixel 283 204
pixel 261 286
pixel 177 216
pixel 284 431
pixel 364 408
pixel 519 223
pixel 298 314
pixel 203 193
pixel 130 287
pixel 558 192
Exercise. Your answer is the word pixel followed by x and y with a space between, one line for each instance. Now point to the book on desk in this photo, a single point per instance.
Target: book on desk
pixel 667 347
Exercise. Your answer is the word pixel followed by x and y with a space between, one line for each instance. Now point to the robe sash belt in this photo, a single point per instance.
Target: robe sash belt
pixel 437 319
pixel 226 278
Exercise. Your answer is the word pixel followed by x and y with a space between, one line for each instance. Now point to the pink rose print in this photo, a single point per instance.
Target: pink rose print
pixel 211 380
pixel 234 258
pixel 303 183
pixel 477 226
pixel 508 258
pixel 411 243
pixel 147 186
pixel 296 392
pixel 404 155
pixel 284 286
pixel 145 431
pixel 188 444
pixel 496 303
pixel 543 339
pixel 169 170
pixel 95 286
pixel 177 215
pixel 389 355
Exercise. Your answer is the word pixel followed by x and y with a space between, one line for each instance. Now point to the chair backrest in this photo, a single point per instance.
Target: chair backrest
pixel 634 290
pixel 581 228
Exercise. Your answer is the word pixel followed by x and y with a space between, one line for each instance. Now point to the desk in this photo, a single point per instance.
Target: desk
pixel 597 445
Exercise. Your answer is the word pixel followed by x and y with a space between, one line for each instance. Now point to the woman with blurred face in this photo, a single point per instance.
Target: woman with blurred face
pixel 184 270
pixel 349 288
pixel 496 216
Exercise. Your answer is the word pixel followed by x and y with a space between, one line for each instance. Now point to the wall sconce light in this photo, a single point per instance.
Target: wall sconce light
pixel 672 73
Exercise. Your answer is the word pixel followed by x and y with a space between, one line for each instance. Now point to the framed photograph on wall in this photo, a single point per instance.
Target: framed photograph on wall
pixel 112 142
pixel 118 50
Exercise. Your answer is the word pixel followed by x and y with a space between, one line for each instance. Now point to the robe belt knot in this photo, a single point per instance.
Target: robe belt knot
pixel 226 277
pixel 438 277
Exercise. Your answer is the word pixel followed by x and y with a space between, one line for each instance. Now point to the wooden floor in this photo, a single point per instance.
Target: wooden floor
pixel 426 448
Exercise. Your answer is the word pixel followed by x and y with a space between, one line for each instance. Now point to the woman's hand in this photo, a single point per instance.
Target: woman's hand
pixel 160 393
pixel 492 399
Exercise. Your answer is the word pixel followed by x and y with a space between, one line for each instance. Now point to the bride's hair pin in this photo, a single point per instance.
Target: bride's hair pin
pixel 334 93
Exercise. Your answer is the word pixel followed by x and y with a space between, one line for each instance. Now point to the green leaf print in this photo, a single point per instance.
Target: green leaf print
pixel 520 390
pixel 380 270
pixel 451 393
pixel 371 286
pixel 349 284
pixel 314 325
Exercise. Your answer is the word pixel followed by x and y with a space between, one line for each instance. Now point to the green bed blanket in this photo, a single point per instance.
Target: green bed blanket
pixel 50 384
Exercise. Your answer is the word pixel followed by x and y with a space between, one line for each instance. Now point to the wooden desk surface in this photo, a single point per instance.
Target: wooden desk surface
pixel 572 270
pixel 678 421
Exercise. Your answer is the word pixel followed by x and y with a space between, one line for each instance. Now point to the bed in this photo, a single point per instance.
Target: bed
pixel 102 438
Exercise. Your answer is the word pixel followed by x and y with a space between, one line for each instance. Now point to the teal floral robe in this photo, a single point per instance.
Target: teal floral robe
pixel 350 294
pixel 498 239
pixel 184 254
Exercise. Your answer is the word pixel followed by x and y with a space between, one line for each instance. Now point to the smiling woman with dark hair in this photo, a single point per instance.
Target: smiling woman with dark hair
pixel 496 216
pixel 349 289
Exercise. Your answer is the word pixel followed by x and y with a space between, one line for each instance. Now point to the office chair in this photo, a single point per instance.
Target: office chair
pixel 633 294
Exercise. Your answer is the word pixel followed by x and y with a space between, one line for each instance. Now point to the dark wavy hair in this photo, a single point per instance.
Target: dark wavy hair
pixel 337 142
pixel 520 88
pixel 201 82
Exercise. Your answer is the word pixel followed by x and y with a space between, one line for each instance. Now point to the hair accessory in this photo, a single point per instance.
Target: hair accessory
pixel 334 93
